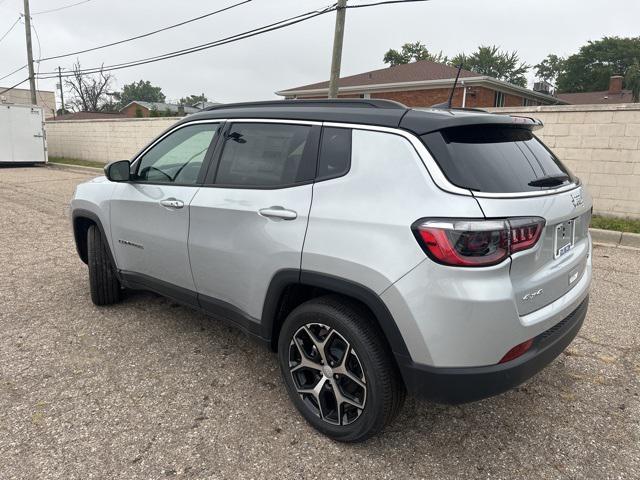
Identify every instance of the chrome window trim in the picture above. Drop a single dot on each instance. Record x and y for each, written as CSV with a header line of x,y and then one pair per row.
x,y
436,173
429,162
272,120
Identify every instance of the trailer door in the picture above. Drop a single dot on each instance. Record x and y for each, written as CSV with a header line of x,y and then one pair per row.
x,y
27,132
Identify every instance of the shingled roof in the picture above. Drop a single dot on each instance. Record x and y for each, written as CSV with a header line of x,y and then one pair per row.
x,y
602,97
409,72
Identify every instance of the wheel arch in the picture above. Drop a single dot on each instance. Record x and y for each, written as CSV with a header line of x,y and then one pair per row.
x,y
83,219
305,285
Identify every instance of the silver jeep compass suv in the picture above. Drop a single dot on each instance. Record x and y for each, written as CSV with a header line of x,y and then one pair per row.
x,y
378,249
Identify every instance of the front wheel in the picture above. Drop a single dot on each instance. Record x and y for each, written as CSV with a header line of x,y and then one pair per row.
x,y
103,282
338,370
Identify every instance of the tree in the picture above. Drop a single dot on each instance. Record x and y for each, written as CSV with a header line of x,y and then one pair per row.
x,y
590,69
412,52
192,99
141,91
89,93
493,62
549,68
632,79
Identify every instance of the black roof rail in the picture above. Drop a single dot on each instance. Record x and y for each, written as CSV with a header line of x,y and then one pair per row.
x,y
328,102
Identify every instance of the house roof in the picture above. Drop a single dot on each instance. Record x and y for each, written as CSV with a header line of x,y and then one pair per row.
x,y
415,75
409,72
86,116
203,105
602,97
161,107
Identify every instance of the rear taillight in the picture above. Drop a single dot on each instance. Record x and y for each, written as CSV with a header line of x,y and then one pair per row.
x,y
476,243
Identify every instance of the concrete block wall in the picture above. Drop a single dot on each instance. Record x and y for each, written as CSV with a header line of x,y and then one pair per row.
x,y
600,144
103,140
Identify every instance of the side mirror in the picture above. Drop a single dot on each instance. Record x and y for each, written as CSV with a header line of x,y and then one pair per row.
x,y
118,171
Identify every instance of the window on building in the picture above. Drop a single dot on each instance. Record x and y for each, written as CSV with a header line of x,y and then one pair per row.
x,y
498,100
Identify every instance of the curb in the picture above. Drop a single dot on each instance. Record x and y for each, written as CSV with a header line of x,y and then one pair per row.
x,y
614,238
64,166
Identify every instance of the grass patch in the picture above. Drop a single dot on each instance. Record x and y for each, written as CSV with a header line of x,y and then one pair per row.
x,y
618,224
74,161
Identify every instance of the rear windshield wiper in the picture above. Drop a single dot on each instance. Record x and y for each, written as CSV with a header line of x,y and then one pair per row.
x,y
549,180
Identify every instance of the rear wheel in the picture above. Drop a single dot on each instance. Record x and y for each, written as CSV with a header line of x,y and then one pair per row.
x,y
103,282
338,370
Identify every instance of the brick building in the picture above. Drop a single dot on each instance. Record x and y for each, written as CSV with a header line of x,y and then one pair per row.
x,y
426,83
139,108
44,98
615,94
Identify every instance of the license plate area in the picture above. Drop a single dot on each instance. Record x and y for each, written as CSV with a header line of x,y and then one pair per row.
x,y
564,237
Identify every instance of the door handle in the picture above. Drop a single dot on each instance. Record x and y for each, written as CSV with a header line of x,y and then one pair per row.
x,y
278,212
172,203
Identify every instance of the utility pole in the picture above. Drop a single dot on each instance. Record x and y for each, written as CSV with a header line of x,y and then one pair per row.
x,y
336,58
61,90
27,29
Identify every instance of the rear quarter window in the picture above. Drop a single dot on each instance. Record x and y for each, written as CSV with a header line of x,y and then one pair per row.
x,y
492,158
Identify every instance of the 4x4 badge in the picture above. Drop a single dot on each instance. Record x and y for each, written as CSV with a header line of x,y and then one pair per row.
x,y
532,295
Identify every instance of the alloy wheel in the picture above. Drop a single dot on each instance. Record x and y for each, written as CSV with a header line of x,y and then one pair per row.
x,y
327,374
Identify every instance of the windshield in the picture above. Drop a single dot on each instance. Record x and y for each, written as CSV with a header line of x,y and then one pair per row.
x,y
496,158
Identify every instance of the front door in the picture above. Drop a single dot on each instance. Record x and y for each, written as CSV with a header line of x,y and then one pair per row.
x,y
250,221
150,214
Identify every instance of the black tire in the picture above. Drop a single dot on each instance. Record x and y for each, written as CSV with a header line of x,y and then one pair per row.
x,y
103,282
384,391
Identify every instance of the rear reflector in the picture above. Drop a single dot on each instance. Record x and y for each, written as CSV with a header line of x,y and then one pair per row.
x,y
476,243
517,351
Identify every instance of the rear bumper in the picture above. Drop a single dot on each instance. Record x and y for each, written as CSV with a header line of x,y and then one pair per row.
x,y
466,384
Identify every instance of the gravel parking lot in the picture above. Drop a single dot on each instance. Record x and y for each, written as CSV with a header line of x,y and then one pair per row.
x,y
150,389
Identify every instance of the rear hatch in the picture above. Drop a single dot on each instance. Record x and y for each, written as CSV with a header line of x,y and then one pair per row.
x,y
512,174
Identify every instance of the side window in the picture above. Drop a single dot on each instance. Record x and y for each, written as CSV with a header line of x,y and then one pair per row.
x,y
335,153
178,157
266,155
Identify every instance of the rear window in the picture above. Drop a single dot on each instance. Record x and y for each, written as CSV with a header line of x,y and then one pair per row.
x,y
492,158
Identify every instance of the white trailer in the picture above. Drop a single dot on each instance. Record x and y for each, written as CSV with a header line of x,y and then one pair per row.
x,y
22,134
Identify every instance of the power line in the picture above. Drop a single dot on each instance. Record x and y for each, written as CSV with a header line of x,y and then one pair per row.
x,y
387,2
148,33
61,8
11,28
240,36
44,102
231,39
15,71
14,86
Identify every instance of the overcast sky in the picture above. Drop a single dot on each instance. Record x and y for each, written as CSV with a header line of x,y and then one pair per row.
x,y
253,69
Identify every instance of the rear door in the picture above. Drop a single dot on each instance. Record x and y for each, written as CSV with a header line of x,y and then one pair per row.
x,y
150,215
249,221
512,174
